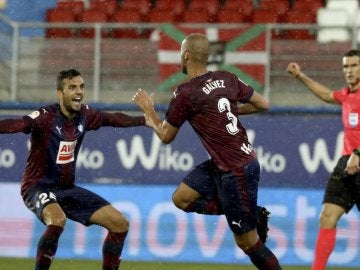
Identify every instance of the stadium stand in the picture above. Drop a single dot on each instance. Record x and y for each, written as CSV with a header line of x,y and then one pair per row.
x,y
280,6
194,16
58,15
333,21
211,7
93,16
175,7
161,16
350,6
107,6
297,17
77,7
230,16
245,7
126,16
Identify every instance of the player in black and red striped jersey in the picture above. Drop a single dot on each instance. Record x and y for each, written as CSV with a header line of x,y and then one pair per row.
x,y
227,183
343,187
48,184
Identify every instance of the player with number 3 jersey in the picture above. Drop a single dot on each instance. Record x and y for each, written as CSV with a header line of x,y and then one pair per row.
x,y
227,183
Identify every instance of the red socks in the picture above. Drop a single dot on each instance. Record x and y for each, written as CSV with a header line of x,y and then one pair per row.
x,y
47,246
324,246
112,248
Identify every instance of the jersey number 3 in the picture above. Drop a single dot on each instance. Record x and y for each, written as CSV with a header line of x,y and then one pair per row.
x,y
224,105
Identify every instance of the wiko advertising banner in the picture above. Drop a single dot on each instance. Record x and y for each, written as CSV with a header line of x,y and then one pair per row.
x,y
293,150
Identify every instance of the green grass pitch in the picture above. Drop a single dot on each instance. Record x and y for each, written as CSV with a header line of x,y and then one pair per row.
x,y
28,264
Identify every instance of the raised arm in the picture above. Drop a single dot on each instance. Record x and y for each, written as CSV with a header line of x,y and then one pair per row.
x,y
257,103
165,131
319,90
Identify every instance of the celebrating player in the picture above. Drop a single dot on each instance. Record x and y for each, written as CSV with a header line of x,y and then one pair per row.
x,y
228,183
343,187
48,187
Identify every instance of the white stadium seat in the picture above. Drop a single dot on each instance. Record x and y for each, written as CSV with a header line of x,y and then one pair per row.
x,y
335,23
350,6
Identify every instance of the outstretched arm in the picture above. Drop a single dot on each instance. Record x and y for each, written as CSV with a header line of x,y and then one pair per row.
x,y
319,90
165,131
257,103
13,125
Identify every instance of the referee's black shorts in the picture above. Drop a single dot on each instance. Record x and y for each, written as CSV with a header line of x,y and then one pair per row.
x,y
343,189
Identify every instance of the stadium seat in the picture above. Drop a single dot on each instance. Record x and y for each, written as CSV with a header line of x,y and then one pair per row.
x,y
211,6
126,16
299,17
161,16
334,22
76,6
177,7
350,6
245,7
195,16
265,16
230,16
357,24
93,16
108,6
59,15
307,5
281,6
141,6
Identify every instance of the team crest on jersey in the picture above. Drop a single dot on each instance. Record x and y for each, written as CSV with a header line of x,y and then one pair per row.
x,y
34,114
81,128
66,152
353,119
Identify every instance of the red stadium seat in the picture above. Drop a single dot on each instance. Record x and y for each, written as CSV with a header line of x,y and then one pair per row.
x,y
141,6
176,7
195,16
296,17
59,15
108,6
211,6
230,16
307,5
126,16
93,16
245,7
161,16
265,16
281,6
76,6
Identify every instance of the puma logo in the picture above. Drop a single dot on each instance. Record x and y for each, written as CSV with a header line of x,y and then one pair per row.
x,y
236,223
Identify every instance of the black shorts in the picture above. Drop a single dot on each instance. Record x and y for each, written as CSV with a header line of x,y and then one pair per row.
x,y
342,189
77,203
236,192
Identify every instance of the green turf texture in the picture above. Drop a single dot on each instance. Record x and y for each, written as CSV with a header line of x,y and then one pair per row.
x,y
58,264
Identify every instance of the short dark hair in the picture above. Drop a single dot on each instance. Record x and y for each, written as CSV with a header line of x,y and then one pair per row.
x,y
66,74
353,53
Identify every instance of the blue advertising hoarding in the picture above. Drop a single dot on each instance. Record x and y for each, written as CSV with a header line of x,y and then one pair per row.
x,y
161,232
296,150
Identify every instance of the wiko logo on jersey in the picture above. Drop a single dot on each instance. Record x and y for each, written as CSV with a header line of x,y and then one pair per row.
x,y
247,148
66,152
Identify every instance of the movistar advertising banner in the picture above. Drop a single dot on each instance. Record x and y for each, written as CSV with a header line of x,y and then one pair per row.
x,y
297,150
161,232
